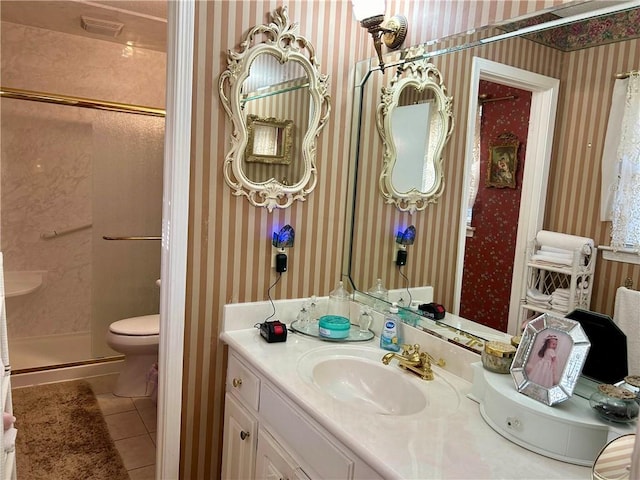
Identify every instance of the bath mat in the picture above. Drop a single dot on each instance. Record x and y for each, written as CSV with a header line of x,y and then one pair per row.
x,y
62,434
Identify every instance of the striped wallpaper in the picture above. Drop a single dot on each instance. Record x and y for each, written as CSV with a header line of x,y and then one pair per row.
x,y
229,252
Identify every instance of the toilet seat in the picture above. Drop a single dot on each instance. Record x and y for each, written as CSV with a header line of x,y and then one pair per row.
x,y
144,325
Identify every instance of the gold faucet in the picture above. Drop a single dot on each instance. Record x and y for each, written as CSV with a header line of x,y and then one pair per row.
x,y
414,360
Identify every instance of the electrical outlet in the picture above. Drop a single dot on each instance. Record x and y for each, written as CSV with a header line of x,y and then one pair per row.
x,y
401,257
278,260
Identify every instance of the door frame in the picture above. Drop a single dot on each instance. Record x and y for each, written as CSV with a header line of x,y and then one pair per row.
x,y
175,223
544,100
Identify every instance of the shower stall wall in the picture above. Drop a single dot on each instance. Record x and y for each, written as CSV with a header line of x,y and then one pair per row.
x,y
71,176
68,177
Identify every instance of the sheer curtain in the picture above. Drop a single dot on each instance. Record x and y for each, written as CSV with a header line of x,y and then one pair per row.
x,y
625,215
474,181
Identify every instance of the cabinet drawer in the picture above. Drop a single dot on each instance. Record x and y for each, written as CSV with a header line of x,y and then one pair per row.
x,y
243,382
322,456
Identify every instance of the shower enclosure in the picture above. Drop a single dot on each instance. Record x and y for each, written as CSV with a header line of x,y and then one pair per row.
x,y
71,176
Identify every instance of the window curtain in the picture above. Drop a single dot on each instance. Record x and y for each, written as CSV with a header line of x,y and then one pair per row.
x,y
610,151
474,181
625,213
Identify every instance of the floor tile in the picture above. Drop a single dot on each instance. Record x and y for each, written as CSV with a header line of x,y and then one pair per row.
x,y
110,404
125,425
149,417
137,452
144,473
143,403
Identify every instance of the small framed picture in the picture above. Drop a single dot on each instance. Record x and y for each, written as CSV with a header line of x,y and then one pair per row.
x,y
502,164
550,358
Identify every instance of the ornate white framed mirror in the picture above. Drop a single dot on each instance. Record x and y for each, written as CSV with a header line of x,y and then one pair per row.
x,y
414,120
274,75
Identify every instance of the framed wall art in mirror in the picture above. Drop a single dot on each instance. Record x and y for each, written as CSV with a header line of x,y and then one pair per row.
x,y
274,75
414,120
270,140
503,162
550,358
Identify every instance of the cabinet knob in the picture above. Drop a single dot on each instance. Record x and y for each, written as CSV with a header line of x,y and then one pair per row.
x,y
236,382
244,435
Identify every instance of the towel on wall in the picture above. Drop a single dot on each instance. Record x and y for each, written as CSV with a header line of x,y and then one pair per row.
x,y
627,316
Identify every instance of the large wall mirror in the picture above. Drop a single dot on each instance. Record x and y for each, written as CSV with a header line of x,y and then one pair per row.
x,y
494,58
414,120
277,101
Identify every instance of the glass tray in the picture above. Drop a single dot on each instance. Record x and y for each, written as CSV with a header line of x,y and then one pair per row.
x,y
355,335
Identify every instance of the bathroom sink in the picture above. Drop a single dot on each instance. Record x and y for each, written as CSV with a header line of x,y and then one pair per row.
x,y
357,377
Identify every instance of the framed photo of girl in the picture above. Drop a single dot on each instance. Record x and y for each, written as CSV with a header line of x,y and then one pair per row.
x,y
503,162
550,358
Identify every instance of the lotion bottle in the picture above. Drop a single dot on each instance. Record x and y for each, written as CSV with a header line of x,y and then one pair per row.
x,y
390,335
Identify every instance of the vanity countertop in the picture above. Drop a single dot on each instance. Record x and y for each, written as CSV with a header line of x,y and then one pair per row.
x,y
457,445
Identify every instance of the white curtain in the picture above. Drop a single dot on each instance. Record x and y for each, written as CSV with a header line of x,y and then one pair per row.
x,y
474,181
625,215
609,153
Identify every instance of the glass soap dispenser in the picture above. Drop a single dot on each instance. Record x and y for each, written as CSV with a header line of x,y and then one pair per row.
x,y
339,301
380,293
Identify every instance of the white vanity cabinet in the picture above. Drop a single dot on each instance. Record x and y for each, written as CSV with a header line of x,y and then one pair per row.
x,y
272,462
268,436
240,439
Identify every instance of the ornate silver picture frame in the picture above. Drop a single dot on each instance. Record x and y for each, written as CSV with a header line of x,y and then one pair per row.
x,y
550,358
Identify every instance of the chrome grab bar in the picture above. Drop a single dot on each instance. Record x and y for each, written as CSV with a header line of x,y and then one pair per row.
x,y
130,238
59,233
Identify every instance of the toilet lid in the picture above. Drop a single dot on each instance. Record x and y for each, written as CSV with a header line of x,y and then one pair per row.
x,y
144,325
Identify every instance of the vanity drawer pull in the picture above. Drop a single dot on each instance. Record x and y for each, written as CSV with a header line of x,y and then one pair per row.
x,y
236,382
244,435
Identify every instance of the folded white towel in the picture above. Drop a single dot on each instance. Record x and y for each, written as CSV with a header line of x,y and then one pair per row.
x,y
537,295
627,316
550,259
544,306
9,440
555,253
549,249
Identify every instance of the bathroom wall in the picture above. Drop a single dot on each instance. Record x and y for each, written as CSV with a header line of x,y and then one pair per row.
x,y
54,160
573,198
229,248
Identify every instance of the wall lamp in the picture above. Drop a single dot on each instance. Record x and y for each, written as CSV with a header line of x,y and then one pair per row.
x,y
283,239
370,14
403,239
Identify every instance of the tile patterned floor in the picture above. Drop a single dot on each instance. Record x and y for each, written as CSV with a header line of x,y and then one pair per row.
x,y
132,424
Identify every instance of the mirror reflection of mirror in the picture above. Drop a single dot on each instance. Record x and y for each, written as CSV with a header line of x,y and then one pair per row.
x,y
414,121
277,100
270,140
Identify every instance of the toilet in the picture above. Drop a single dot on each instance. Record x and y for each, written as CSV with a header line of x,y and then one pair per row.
x,y
137,339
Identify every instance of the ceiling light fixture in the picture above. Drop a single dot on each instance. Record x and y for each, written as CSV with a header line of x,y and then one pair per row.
x,y
370,14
